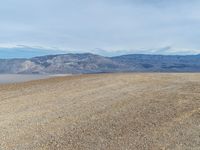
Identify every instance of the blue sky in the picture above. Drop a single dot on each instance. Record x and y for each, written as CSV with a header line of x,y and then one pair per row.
x,y
104,26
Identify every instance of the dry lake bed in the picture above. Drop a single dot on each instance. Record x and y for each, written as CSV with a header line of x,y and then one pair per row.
x,y
15,78
151,111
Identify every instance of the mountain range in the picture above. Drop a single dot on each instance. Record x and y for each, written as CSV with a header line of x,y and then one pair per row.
x,y
92,63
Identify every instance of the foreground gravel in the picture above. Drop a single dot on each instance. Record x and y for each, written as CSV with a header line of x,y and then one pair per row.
x,y
99,112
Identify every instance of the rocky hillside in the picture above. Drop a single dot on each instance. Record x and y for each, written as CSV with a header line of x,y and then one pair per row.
x,y
90,63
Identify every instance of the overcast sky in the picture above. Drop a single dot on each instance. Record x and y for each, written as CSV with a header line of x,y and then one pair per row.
x,y
137,26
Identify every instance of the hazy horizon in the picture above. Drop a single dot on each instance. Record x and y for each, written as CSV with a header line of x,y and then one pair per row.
x,y
20,53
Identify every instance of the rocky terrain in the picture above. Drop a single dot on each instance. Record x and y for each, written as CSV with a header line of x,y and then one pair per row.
x,y
149,111
90,63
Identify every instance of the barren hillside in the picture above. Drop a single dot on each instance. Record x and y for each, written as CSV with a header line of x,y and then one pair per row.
x,y
87,63
105,111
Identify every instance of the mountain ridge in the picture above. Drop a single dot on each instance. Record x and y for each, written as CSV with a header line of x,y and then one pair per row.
x,y
84,63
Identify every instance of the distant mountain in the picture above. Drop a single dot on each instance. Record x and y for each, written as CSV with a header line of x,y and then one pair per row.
x,y
90,63
160,63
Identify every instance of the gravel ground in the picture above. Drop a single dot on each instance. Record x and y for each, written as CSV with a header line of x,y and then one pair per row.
x,y
149,111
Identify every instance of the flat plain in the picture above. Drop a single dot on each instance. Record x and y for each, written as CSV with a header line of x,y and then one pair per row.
x,y
126,111
16,78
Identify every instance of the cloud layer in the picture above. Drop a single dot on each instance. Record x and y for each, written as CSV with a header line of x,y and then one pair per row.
x,y
86,25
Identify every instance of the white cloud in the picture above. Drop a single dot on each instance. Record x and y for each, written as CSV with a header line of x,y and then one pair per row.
x,y
105,24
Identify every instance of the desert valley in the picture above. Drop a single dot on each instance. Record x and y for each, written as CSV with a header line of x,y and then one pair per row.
x,y
102,111
100,75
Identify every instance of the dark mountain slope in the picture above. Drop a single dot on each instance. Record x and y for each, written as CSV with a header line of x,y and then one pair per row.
x,y
165,63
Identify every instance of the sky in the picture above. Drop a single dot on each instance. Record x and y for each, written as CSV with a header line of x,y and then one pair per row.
x,y
107,27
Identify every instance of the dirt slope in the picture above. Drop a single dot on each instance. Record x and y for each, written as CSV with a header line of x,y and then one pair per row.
x,y
105,111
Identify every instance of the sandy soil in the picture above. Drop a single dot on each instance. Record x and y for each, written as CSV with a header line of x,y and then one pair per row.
x,y
99,112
